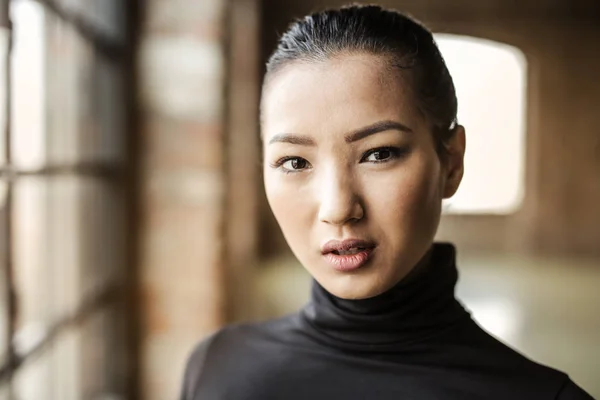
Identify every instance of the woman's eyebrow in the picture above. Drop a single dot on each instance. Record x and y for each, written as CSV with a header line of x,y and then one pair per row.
x,y
377,127
293,139
354,136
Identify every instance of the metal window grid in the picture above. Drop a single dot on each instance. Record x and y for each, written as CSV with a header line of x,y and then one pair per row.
x,y
115,51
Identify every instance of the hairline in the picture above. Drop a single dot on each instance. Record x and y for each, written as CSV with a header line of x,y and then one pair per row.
x,y
390,70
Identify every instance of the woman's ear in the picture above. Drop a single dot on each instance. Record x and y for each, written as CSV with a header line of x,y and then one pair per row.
x,y
455,154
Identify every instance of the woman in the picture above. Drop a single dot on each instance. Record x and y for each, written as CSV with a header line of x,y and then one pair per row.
x,y
361,144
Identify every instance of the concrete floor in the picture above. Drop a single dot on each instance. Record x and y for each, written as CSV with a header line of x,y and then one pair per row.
x,y
545,308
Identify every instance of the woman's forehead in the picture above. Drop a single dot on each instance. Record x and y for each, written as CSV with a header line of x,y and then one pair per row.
x,y
338,94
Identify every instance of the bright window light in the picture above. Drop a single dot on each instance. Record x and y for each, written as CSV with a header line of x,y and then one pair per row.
x,y
490,80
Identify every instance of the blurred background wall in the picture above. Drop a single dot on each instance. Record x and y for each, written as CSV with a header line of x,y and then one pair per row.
x,y
133,217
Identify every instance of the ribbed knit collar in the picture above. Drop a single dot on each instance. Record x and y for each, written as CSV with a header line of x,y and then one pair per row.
x,y
419,306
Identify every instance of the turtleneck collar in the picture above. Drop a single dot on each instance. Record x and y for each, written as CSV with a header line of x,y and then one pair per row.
x,y
419,306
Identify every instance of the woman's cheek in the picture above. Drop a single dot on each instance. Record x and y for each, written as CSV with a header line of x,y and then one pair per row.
x,y
389,191
287,202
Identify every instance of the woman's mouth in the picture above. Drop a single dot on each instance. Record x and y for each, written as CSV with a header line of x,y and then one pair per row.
x,y
354,250
347,255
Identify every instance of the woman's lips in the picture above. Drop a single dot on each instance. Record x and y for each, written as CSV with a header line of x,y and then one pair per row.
x,y
346,263
347,255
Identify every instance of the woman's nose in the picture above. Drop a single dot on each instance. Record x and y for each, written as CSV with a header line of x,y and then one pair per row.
x,y
339,202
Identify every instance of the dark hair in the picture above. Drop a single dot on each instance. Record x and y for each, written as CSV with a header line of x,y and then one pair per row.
x,y
407,45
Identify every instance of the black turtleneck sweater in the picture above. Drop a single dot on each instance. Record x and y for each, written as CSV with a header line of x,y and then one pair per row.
x,y
413,342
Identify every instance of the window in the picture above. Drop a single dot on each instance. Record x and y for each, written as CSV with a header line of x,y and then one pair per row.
x,y
62,199
490,80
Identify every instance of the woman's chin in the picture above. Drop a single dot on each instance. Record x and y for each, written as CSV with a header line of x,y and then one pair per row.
x,y
356,286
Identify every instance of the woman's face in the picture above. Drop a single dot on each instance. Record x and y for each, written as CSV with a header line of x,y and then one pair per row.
x,y
351,172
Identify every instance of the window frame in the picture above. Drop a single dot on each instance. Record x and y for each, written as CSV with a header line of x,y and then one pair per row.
x,y
117,51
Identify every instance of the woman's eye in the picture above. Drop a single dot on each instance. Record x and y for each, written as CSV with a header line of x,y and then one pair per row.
x,y
293,164
380,155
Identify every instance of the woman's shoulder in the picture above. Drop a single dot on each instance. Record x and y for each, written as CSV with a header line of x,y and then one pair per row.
x,y
498,360
570,391
235,349
194,366
236,336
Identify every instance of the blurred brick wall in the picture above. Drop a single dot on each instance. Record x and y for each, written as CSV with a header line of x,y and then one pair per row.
x,y
243,158
200,178
183,85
